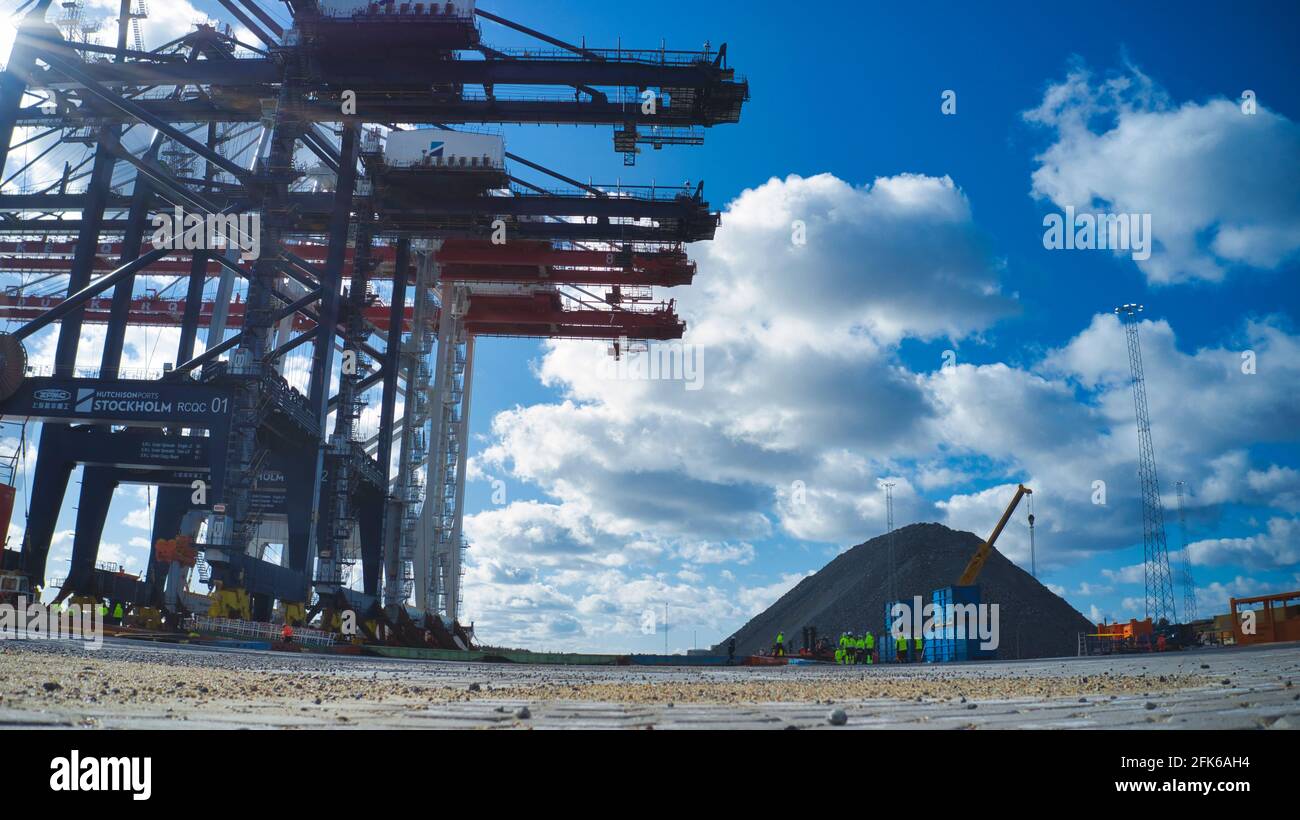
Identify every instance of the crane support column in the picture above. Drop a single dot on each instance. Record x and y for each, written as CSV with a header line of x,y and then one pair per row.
x,y
446,473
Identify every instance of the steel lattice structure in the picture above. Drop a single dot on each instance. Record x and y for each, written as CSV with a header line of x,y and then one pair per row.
x,y
1159,583
374,278
1189,582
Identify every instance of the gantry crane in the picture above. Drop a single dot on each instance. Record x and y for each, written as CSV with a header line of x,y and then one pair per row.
x,y
232,124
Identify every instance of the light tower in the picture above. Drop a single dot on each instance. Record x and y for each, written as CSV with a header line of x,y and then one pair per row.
x,y
1159,584
1189,583
888,487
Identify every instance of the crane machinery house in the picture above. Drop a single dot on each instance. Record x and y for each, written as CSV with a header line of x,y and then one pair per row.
x,y
450,149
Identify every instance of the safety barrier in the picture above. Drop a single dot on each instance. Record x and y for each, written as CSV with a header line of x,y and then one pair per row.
x,y
254,629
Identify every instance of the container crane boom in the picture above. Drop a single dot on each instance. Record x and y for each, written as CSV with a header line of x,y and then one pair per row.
x,y
982,554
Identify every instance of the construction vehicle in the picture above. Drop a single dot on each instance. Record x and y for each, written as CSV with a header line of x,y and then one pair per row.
x,y
972,571
1137,636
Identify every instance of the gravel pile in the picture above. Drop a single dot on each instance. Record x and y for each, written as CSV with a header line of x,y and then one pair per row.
x,y
850,592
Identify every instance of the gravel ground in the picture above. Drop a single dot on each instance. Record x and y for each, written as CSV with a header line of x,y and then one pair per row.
x,y
127,684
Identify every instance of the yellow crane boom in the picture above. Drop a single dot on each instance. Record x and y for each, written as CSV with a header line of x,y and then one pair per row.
x,y
982,554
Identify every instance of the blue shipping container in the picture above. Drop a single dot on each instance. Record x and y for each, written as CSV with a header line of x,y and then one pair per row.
x,y
949,644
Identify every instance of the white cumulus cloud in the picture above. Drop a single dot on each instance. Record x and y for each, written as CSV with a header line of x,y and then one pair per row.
x,y
1220,184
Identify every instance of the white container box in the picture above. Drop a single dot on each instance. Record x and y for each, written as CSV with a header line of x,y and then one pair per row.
x,y
432,146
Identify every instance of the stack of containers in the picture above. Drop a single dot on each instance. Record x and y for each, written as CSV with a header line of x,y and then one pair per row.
x,y
945,646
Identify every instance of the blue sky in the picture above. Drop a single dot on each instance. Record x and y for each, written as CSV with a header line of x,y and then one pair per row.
x,y
823,363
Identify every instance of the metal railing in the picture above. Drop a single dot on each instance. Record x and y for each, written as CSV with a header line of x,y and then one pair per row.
x,y
639,193
258,630
124,373
658,56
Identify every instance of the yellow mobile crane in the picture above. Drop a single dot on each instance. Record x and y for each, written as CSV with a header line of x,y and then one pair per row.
x,y
982,554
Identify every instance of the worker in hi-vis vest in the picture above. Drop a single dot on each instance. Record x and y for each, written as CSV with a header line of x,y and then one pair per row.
x,y
780,643
843,648
869,641
920,648
901,645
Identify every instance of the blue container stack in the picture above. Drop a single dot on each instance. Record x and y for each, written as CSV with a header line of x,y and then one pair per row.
x,y
945,646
